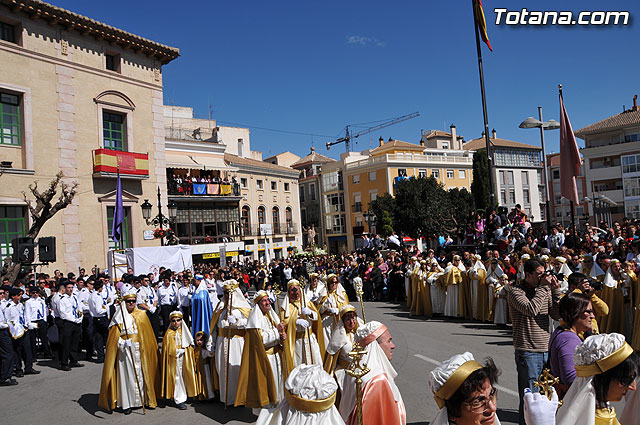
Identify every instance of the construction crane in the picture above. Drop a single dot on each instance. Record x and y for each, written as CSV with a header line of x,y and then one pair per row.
x,y
349,136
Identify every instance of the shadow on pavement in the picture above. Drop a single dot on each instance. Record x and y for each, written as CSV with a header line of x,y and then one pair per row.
x,y
499,342
53,364
89,402
215,410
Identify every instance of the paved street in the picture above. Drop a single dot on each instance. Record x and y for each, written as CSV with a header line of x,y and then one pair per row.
x,y
71,397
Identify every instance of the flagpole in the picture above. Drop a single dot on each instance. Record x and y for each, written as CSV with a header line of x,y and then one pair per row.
x,y
484,108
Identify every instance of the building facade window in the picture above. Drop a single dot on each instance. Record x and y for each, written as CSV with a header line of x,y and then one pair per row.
x,y
462,174
275,216
112,61
555,174
7,32
312,192
503,197
512,196
287,187
12,225
449,174
422,173
301,190
113,130
198,223
245,219
526,198
259,184
274,185
243,182
525,178
10,119
261,218
288,215
334,203
356,178
126,229
372,176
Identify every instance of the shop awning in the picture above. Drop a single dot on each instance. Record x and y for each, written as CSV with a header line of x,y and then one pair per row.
x,y
198,162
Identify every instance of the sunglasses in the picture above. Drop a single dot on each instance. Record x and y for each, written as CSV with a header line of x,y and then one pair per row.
x,y
176,320
130,301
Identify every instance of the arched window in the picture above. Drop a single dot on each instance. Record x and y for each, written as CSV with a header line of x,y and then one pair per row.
x,y
261,218
288,216
275,214
245,219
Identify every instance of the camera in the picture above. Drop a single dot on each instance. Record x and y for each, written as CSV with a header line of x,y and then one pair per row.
x,y
595,284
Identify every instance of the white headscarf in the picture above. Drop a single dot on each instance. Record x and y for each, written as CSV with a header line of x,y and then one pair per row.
x,y
256,316
238,301
285,302
611,281
339,336
595,269
579,404
523,259
187,338
308,382
376,360
440,375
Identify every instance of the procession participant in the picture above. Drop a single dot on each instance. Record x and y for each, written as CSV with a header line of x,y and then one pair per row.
x,y
501,310
227,339
316,290
589,268
305,336
99,314
261,374
204,366
71,315
14,315
451,280
184,299
423,292
477,276
177,363
147,301
494,271
201,309
167,298
560,266
381,398
523,259
330,305
6,345
83,295
412,289
36,312
617,292
56,340
436,290
606,368
310,395
131,360
464,391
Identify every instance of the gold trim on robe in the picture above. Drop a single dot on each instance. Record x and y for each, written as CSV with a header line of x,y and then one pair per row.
x,y
168,361
256,368
148,358
290,341
214,324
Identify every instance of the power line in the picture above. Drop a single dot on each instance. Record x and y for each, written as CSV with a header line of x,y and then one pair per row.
x,y
272,129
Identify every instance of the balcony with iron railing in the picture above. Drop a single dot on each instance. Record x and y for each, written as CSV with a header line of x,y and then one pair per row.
x,y
180,187
289,228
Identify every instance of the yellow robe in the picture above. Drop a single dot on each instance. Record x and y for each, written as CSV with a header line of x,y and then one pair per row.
x,y
614,321
423,294
201,371
482,297
635,300
290,325
412,296
148,358
606,417
168,360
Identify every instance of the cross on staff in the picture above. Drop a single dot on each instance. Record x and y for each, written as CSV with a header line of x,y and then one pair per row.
x,y
545,382
360,294
358,370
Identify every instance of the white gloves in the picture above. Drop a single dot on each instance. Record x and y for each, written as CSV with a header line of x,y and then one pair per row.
x,y
180,352
124,344
303,323
538,409
333,310
232,320
306,311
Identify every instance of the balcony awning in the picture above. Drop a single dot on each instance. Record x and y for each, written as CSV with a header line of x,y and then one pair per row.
x,y
199,162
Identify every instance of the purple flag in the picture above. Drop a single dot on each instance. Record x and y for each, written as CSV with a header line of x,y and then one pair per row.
x,y
118,213
569,157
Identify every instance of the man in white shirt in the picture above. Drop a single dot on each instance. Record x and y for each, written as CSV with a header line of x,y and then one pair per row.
x,y
83,296
147,300
71,315
99,312
36,313
184,300
167,296
6,347
14,315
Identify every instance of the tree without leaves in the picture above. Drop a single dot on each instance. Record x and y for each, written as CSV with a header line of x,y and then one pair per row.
x,y
42,210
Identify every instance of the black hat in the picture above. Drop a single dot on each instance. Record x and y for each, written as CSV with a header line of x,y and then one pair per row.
x,y
34,289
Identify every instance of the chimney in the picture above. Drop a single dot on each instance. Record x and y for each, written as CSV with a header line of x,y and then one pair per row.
x,y
313,149
454,137
493,133
635,102
390,139
381,141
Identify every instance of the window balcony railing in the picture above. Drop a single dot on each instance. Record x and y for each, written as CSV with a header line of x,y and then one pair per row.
x,y
189,188
132,165
357,207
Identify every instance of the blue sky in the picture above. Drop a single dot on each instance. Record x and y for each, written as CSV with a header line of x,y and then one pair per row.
x,y
314,67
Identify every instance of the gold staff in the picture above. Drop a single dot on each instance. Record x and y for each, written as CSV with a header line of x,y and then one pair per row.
x,y
545,382
135,372
277,292
231,289
306,331
360,294
357,371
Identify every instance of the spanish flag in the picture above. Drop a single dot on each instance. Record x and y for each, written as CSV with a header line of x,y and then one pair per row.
x,y
481,23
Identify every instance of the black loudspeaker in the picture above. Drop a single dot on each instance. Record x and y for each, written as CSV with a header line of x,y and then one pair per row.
x,y
24,250
47,249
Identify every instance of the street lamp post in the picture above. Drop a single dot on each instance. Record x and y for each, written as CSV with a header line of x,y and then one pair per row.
x,y
531,122
159,220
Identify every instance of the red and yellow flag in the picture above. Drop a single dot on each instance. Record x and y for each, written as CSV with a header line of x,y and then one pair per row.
x,y
481,22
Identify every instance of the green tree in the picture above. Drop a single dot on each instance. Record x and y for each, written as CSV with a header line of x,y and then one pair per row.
x,y
422,207
461,203
385,203
480,187
386,228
